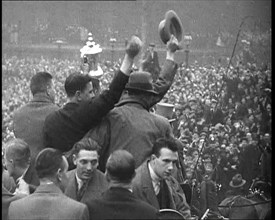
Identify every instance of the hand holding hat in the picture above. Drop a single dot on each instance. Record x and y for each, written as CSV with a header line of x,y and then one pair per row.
x,y
133,46
173,44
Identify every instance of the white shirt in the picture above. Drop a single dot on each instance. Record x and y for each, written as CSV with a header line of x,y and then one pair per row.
x,y
79,182
21,186
155,179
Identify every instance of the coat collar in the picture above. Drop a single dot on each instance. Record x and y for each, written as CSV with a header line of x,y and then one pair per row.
x,y
41,97
130,99
48,188
147,185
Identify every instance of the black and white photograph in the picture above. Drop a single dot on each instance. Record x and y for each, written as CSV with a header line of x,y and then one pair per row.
x,y
138,109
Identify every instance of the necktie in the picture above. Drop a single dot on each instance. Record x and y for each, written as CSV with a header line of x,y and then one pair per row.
x,y
82,190
157,188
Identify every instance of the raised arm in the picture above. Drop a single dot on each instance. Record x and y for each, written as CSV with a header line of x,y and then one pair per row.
x,y
168,72
91,112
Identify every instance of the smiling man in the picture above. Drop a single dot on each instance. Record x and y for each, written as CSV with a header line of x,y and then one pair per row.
x,y
86,182
154,183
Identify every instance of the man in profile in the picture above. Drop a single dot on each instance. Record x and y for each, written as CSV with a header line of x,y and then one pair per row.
x,y
118,202
48,201
17,160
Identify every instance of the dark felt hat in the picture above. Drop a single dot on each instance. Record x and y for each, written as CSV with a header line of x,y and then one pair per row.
x,y
170,25
141,81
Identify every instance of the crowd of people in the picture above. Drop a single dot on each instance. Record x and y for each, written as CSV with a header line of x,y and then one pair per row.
x,y
222,117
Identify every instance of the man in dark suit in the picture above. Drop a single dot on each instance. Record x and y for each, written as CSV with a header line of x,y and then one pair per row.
x,y
151,62
154,182
48,201
86,181
63,128
29,119
118,202
17,158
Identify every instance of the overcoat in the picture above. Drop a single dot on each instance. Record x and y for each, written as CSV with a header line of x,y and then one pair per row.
x,y
28,122
143,189
47,202
120,203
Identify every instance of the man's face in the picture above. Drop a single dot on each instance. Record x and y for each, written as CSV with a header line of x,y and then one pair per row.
x,y
86,162
88,92
164,164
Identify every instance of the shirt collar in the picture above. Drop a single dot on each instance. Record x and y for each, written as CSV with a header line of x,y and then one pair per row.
x,y
21,177
79,181
153,175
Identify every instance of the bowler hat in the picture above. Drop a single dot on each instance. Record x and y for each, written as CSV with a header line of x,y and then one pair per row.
x,y
237,181
141,81
170,25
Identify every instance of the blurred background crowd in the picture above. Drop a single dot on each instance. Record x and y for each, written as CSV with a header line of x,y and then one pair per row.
x,y
229,110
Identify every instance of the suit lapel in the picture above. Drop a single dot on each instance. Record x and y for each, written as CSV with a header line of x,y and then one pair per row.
x,y
147,187
71,189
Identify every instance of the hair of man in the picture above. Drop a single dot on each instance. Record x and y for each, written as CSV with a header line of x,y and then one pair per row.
x,y
160,143
40,81
18,151
121,166
86,144
48,162
76,82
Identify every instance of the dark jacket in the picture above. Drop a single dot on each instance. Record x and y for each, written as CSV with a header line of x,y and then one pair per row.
x,y
63,128
143,189
120,203
130,126
97,185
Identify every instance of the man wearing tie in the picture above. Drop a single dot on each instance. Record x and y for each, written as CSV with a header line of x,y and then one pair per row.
x,y
151,62
86,181
154,182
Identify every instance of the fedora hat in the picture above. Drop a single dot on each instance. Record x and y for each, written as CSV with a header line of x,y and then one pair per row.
x,y
141,81
237,181
170,25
